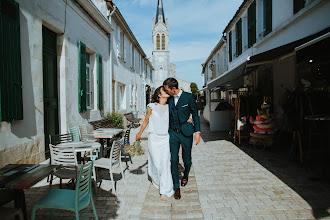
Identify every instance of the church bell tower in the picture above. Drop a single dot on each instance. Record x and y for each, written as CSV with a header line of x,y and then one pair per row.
x,y
161,53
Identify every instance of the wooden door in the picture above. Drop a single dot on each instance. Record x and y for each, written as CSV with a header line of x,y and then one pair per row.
x,y
49,85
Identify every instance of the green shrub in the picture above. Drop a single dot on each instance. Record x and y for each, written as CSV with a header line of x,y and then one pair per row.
x,y
116,118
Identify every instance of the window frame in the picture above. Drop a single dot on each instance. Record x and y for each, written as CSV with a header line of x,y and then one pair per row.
x,y
89,82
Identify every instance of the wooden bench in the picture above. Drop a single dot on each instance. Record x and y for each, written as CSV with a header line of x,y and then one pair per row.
x,y
134,121
103,123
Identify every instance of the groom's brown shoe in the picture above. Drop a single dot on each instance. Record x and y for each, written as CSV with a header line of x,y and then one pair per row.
x,y
184,181
177,194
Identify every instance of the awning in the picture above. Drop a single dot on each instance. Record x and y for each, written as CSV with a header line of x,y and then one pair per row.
x,y
228,76
287,49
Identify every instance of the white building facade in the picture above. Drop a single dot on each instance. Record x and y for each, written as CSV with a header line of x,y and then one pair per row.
x,y
58,68
259,47
132,73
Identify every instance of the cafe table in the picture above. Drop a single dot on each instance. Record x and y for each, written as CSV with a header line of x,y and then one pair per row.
x,y
102,134
82,146
18,177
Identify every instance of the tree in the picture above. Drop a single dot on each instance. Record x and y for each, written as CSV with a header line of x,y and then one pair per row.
x,y
194,89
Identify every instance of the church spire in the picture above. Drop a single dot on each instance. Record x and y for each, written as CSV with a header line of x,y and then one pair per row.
x,y
160,12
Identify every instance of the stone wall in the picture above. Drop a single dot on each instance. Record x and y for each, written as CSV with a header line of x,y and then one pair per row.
x,y
31,152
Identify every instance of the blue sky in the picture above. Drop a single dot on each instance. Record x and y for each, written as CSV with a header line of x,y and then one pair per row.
x,y
195,27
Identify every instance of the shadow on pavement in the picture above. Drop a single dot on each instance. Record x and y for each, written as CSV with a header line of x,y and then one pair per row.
x,y
306,180
105,202
139,171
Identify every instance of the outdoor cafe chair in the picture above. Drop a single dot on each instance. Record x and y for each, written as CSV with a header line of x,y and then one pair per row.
x,y
109,163
60,138
65,157
75,133
124,153
66,199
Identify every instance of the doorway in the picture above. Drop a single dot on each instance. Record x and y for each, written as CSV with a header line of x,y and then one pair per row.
x,y
51,125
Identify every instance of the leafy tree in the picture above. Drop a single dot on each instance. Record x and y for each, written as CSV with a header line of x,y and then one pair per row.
x,y
194,89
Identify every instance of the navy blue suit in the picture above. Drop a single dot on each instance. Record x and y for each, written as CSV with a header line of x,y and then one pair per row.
x,y
181,132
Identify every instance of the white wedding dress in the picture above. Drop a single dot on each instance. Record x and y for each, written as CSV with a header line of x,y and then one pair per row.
x,y
159,164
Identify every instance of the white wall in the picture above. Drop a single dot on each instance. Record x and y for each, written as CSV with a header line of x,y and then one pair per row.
x,y
71,25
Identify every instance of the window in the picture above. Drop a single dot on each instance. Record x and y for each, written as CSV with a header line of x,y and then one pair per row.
x,y
267,16
298,5
132,57
86,79
123,46
145,70
11,102
132,97
238,29
141,65
118,42
230,46
252,24
89,84
158,42
121,97
163,41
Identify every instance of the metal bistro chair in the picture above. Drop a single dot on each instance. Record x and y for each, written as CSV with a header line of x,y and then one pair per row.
x,y
65,157
125,154
73,200
109,163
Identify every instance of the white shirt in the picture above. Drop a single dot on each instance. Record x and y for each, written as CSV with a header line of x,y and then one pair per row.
x,y
177,97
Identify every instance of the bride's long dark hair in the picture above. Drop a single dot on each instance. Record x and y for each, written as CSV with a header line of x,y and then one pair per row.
x,y
155,96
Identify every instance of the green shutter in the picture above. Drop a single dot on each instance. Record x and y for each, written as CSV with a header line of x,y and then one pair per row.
x,y
11,102
267,16
82,77
252,24
230,47
298,5
238,37
99,83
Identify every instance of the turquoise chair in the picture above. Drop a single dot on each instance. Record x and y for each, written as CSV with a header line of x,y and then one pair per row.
x,y
75,133
66,199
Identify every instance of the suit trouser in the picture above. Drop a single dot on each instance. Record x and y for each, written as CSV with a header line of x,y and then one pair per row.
x,y
176,138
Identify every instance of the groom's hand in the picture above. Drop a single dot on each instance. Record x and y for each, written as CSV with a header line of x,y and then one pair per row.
x,y
197,138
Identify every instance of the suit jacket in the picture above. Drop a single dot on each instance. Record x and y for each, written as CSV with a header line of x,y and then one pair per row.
x,y
186,105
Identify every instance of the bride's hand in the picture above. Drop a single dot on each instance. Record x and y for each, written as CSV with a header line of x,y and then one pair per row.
x,y
189,120
138,137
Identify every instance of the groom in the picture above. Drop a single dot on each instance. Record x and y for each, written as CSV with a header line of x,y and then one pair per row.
x,y
181,105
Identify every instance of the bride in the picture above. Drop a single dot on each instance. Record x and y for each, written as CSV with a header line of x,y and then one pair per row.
x,y
159,165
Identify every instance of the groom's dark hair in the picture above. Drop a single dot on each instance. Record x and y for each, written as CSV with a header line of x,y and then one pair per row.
x,y
171,82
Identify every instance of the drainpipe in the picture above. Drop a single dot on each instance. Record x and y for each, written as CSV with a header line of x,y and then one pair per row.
x,y
110,64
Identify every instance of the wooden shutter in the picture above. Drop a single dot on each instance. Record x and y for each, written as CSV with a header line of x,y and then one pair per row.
x,y
230,47
99,83
11,102
298,5
238,37
82,77
252,24
267,16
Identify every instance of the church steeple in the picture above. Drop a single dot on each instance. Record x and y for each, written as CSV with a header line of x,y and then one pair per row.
x,y
160,12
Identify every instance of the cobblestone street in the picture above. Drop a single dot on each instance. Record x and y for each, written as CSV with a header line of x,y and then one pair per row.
x,y
224,183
